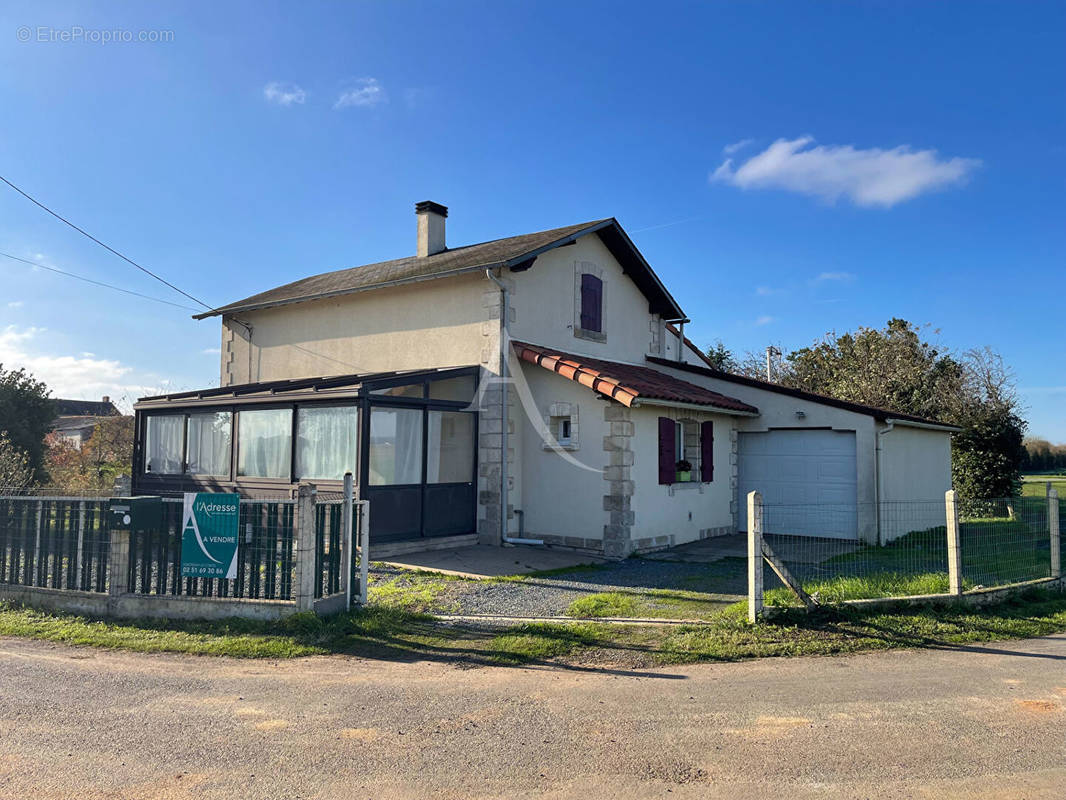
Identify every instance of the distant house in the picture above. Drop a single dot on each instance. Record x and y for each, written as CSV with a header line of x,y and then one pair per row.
x,y
77,419
534,387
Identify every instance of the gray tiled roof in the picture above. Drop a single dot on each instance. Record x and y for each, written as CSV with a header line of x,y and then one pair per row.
x,y
499,252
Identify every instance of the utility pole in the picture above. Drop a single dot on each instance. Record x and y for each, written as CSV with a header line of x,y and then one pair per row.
x,y
770,352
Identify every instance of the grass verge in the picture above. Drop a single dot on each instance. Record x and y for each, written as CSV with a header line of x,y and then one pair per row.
x,y
398,635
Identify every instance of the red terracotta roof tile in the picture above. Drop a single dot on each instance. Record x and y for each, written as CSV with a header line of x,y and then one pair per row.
x,y
626,383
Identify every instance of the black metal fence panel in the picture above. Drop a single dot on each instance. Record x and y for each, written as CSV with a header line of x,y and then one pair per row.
x,y
55,542
264,555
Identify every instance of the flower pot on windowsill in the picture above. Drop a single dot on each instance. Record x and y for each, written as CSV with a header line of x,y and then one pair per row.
x,y
684,476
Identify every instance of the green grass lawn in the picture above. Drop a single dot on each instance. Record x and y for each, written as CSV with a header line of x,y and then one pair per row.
x,y
1036,485
398,635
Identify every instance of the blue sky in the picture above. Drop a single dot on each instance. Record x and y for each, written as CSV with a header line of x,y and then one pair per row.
x,y
886,160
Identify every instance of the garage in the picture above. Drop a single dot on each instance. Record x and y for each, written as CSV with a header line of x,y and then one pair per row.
x,y
807,479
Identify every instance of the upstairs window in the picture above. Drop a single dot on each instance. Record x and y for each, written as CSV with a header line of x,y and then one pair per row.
x,y
591,303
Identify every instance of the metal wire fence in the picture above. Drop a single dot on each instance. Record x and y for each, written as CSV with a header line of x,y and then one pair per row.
x,y
1005,541
55,542
265,555
836,552
828,549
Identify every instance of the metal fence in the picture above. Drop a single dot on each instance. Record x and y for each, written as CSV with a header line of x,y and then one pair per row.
x,y
294,550
54,541
265,555
805,554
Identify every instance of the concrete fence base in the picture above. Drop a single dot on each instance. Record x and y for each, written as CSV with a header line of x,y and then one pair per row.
x,y
974,598
141,606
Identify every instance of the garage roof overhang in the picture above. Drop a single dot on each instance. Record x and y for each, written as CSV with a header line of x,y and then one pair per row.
x,y
880,414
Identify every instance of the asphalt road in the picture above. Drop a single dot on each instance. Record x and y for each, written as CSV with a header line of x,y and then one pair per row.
x,y
988,722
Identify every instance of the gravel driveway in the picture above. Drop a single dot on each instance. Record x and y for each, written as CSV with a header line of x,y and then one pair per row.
x,y
720,583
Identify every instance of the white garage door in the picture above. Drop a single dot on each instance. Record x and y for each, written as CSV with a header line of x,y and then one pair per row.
x,y
807,481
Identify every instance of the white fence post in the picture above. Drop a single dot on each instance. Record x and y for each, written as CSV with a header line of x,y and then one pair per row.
x,y
304,583
755,568
81,543
364,552
347,545
37,548
1053,529
951,501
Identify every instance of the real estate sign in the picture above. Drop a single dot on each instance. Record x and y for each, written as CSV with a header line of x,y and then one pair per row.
x,y
209,531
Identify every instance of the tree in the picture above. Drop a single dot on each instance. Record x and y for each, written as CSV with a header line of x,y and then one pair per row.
x,y
26,415
895,369
15,472
107,454
721,357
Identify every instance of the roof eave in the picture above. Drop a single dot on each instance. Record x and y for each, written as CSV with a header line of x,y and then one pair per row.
x,y
705,407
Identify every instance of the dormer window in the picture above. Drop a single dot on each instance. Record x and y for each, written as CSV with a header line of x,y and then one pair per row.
x,y
588,306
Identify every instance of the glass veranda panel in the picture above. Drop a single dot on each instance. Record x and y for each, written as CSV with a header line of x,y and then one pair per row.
x,y
327,442
450,447
164,442
209,444
395,446
264,443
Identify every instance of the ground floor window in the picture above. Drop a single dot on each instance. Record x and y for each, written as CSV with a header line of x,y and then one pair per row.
x,y
264,443
395,446
164,444
210,444
327,442
450,447
686,451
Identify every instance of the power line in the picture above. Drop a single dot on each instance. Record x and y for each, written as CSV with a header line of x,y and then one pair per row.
x,y
106,247
97,283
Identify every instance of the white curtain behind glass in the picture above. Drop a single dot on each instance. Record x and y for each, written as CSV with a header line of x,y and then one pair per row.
x,y
209,444
450,447
327,442
264,443
395,446
164,442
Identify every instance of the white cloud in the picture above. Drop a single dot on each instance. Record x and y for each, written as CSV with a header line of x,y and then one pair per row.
x,y
284,94
765,291
869,178
764,320
82,377
212,351
363,93
834,276
729,149
15,304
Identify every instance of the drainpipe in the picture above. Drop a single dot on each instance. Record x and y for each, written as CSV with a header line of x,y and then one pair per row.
x,y
879,488
505,383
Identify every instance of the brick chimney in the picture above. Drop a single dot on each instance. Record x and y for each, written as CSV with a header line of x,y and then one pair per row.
x,y
431,218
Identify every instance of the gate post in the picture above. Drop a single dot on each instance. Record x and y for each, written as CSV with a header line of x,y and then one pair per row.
x,y
755,568
1053,530
951,502
119,563
304,583
347,545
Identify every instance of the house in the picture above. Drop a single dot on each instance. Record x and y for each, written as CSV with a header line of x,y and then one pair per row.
x,y
537,387
77,419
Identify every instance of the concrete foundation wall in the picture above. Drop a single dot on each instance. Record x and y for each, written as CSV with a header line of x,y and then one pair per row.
x,y
134,606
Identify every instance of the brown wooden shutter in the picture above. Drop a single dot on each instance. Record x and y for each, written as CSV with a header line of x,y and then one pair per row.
x,y
591,303
707,451
667,456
